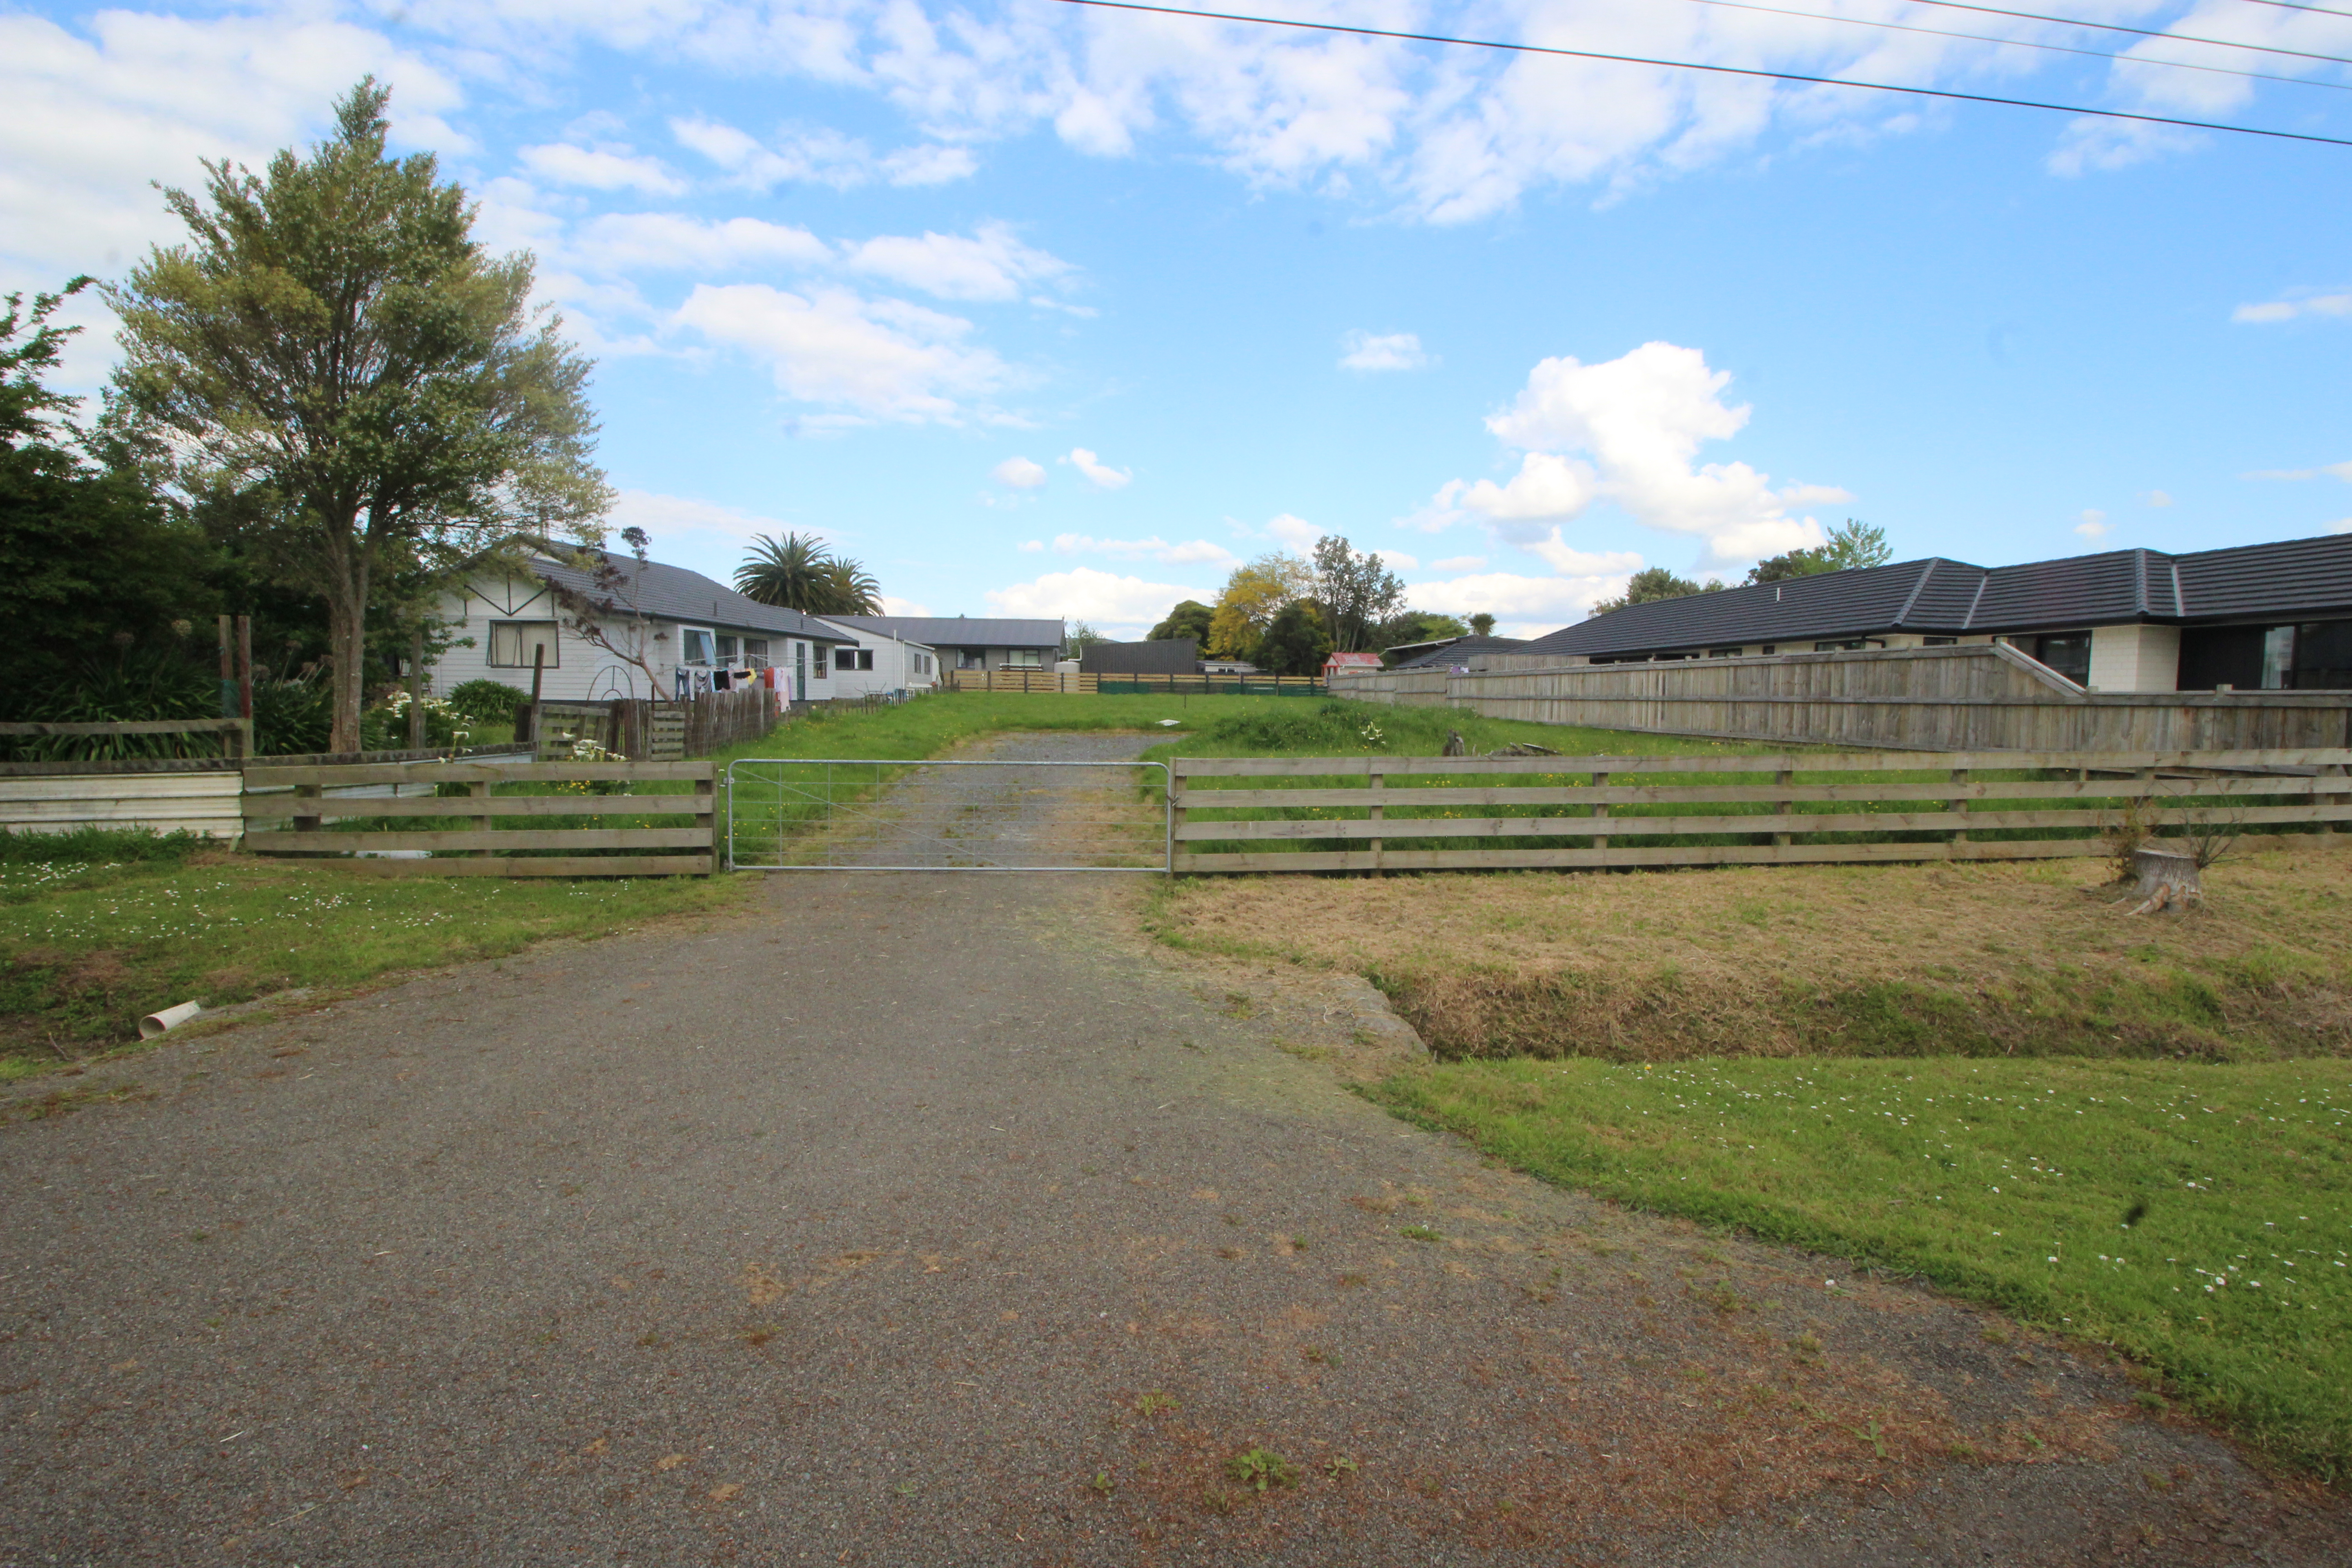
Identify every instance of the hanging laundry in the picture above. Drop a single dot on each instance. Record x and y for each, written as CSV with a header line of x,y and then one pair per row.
x,y
719,680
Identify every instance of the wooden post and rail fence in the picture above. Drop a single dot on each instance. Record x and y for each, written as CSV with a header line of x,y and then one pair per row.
x,y
1116,683
1429,814
287,811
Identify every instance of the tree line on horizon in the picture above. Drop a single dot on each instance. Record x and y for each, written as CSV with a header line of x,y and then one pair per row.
x,y
1287,614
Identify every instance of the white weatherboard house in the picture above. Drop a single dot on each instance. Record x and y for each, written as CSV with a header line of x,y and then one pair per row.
x,y
877,661
669,627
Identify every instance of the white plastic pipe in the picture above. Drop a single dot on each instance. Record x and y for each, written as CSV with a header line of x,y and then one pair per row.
x,y
156,1025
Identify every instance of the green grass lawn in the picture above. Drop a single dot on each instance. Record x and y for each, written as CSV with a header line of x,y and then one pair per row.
x,y
102,928
2194,1216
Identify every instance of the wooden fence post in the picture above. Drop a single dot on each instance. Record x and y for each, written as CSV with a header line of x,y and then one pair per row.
x,y
1786,776
416,692
1959,807
1601,810
705,814
1379,814
480,790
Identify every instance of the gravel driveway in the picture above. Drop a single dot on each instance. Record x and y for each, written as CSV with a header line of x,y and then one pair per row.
x,y
929,1218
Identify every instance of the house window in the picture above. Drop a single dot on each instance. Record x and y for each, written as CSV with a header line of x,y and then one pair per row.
x,y
1770,648
755,652
694,645
922,664
1022,658
2323,655
969,658
816,657
728,645
1848,646
1939,642
1723,653
2067,653
514,645
853,659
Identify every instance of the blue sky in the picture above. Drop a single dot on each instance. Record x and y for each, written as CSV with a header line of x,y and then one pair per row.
x,y
1039,310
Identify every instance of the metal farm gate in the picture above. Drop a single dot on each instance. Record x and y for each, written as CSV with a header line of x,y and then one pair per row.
x,y
869,814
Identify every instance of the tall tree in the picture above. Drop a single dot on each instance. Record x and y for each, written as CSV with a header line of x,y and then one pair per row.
x,y
333,343
1253,595
1482,625
799,573
1851,544
1357,592
88,552
1296,643
1189,618
1651,583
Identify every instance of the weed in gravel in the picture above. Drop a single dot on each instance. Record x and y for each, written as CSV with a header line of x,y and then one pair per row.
x,y
1153,1403
1421,1233
1262,1467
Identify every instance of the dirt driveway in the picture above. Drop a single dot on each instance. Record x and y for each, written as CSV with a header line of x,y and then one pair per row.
x,y
939,1219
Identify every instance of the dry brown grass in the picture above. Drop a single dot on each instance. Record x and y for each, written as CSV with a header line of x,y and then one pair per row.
x,y
2031,957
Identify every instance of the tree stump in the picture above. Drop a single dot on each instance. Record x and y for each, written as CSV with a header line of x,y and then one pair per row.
x,y
1456,746
2168,880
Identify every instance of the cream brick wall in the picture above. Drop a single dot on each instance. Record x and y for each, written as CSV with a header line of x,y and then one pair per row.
x,y
2135,658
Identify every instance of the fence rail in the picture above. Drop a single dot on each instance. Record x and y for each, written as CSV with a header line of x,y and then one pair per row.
x,y
277,823
1577,811
1968,697
1116,683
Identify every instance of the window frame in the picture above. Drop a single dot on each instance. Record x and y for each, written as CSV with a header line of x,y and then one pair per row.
x,y
686,643
553,642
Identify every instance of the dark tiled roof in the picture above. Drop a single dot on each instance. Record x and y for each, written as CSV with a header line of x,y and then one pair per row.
x,y
958,631
2297,576
675,593
1454,650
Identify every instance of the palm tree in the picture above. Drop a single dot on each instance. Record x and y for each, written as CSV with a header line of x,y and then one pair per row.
x,y
788,571
849,589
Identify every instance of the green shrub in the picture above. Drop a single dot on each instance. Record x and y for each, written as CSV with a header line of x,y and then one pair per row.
x,y
487,700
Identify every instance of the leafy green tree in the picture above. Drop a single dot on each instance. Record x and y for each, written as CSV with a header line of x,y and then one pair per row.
x,y
1077,637
1296,643
1851,544
797,571
1189,618
1652,583
334,346
90,558
1482,625
1355,590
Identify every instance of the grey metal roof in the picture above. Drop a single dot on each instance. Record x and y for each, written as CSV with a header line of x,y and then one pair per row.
x,y
1449,651
2296,576
958,631
675,593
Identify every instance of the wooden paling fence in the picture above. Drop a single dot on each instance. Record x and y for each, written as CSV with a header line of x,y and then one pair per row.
x,y
651,731
1400,814
1069,682
1120,683
279,824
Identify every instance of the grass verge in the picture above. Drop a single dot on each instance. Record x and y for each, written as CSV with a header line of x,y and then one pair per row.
x,y
2194,1216
119,924
2025,959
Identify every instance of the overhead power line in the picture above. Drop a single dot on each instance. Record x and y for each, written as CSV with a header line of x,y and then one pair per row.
x,y
2135,32
2026,44
2290,5
1753,71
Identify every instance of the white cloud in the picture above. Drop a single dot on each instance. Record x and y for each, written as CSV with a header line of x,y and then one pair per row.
x,y
2341,470
1019,473
1363,350
666,517
1191,553
2341,525
879,359
635,242
1030,546
2156,498
990,265
1528,605
1640,420
893,605
822,156
601,169
1458,563
1104,600
1293,532
1099,475
128,98
2094,524
2339,305
1398,561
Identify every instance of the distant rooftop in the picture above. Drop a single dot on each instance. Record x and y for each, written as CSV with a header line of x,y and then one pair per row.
x,y
958,631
